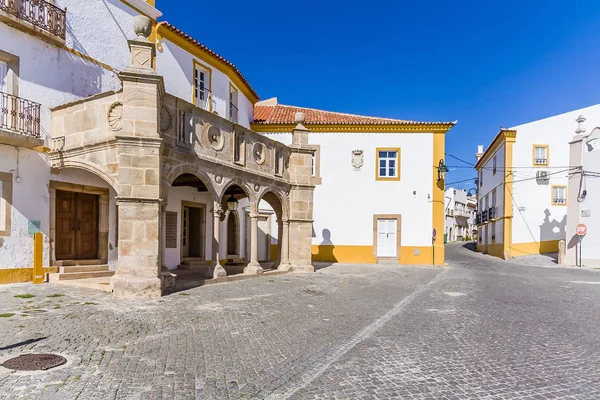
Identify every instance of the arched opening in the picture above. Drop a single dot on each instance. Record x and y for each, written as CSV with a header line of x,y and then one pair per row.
x,y
233,235
271,209
186,224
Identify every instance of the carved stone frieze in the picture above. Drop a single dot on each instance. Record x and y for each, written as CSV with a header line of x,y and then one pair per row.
x,y
215,137
115,116
166,119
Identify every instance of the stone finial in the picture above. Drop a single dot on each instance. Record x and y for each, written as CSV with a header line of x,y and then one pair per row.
x,y
142,26
300,117
580,128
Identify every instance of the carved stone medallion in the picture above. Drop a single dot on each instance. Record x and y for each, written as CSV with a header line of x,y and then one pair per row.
x,y
357,159
166,120
218,179
115,116
256,187
259,153
215,138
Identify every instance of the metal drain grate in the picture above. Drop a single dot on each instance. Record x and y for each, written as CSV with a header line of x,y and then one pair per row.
x,y
34,362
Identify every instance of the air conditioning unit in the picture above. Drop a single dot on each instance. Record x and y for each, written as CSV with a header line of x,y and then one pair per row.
x,y
542,176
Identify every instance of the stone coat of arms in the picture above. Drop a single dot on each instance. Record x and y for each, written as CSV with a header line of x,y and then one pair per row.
x,y
357,159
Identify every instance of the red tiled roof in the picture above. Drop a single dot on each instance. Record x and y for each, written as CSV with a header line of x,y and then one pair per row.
x,y
282,114
209,51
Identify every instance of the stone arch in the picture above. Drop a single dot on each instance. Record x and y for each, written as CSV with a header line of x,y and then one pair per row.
x,y
193,170
273,195
245,186
104,175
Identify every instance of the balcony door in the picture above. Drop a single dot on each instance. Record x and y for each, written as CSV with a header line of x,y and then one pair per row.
x,y
76,226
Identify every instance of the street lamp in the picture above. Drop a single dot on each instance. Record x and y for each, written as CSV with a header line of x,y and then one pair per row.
x,y
232,203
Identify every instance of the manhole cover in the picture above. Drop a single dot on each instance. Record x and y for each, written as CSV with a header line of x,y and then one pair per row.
x,y
34,362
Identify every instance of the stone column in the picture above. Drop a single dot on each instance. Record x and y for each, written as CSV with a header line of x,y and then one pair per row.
x,y
216,270
139,156
301,199
284,243
254,267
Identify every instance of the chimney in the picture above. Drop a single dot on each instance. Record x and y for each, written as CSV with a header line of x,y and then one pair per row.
x,y
479,152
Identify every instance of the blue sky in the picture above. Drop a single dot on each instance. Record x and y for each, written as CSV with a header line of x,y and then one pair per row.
x,y
486,64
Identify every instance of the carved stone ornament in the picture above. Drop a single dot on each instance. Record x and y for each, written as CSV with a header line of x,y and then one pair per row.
x,y
215,138
258,153
256,187
115,116
142,26
166,119
357,159
218,179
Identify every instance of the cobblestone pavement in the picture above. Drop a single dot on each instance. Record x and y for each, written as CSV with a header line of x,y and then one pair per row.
x,y
479,328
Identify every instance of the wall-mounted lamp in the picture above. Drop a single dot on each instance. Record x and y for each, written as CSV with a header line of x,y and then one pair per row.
x,y
442,169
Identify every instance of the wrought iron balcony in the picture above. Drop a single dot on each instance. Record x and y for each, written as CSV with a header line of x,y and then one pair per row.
x,y
462,214
492,213
20,116
39,13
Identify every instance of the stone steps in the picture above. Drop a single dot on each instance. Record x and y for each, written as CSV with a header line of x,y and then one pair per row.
x,y
81,272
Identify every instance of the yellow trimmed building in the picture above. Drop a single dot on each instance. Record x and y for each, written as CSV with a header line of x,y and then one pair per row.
x,y
522,186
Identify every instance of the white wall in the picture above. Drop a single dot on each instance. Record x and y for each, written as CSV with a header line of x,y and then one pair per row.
x,y
542,221
177,67
346,200
488,181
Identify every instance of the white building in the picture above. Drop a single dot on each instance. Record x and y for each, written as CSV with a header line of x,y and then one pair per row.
x,y
523,177
583,197
53,85
379,197
460,211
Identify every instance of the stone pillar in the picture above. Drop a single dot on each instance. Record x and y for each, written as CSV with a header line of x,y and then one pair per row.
x,y
284,264
301,199
216,270
573,193
139,155
254,267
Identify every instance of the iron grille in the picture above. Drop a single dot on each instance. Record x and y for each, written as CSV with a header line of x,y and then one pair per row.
x,y
39,13
19,115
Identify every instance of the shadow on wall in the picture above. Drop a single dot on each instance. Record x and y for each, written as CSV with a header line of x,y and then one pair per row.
x,y
551,229
325,251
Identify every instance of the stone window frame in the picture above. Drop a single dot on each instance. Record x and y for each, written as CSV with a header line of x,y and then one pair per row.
x,y
398,218
316,167
12,61
6,203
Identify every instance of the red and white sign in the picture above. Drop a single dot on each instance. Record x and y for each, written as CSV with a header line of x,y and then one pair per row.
x,y
581,229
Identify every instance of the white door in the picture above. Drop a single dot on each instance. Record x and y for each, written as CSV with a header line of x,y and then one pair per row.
x,y
386,238
185,232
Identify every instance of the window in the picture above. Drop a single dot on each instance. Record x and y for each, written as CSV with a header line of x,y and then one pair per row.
x,y
494,165
480,178
3,76
313,164
559,195
186,129
540,154
202,86
493,210
493,232
388,164
5,203
233,104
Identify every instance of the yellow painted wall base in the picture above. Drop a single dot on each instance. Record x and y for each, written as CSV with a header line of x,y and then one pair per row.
x,y
496,250
526,249
364,254
20,275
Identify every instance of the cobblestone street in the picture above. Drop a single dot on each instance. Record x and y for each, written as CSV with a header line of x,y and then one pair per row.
x,y
478,328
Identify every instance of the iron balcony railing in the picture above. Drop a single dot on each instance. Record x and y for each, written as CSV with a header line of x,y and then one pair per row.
x,y
492,213
478,219
19,115
484,216
39,13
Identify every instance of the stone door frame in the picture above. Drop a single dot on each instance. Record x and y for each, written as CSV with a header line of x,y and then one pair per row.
x,y
201,206
398,218
103,215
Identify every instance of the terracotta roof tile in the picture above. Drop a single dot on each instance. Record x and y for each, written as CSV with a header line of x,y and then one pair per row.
x,y
282,114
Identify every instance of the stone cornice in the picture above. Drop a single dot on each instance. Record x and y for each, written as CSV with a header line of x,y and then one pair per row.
x,y
140,141
124,199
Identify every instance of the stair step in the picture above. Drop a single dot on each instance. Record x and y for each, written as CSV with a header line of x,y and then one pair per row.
x,y
73,263
83,268
79,275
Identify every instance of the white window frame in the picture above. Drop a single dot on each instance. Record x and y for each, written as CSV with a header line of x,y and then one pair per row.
x,y
386,163
557,199
202,86
234,110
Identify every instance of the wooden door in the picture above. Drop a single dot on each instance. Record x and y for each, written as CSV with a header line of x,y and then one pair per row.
x,y
76,226
66,224
87,227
